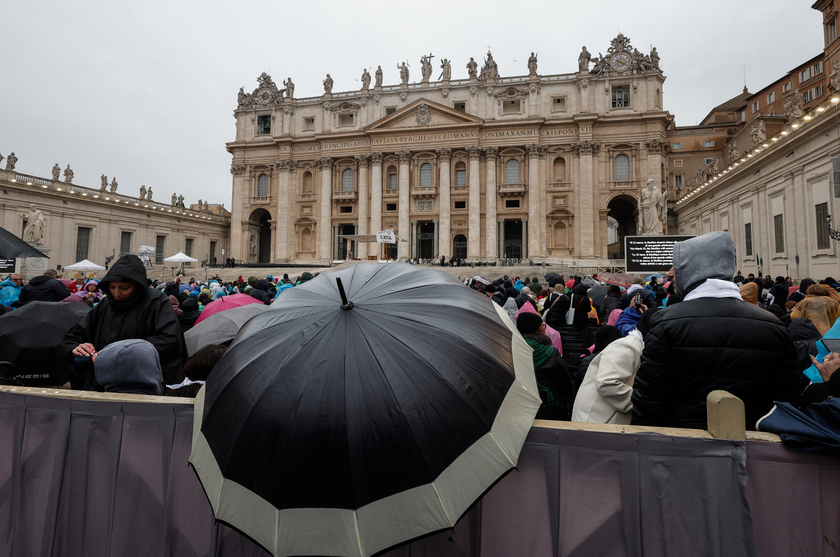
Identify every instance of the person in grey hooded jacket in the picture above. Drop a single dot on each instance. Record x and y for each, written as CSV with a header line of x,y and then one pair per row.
x,y
712,340
129,366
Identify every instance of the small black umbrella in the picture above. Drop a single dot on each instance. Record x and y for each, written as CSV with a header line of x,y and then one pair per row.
x,y
597,294
552,279
12,247
336,427
30,338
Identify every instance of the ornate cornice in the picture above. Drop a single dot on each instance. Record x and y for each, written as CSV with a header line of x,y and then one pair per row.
x,y
474,152
444,154
491,153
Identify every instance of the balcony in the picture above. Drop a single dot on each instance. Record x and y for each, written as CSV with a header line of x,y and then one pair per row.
x,y
306,197
512,190
345,196
424,192
559,186
463,189
389,192
624,184
260,200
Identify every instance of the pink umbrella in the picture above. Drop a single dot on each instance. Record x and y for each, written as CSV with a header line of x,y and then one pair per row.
x,y
225,302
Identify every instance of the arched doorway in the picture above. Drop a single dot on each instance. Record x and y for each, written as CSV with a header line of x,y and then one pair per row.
x,y
346,246
426,240
624,212
459,247
259,244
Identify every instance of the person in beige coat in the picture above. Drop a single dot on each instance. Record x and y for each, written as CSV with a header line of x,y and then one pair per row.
x,y
605,395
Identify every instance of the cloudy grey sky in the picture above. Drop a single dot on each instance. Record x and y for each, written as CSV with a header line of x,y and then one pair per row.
x,y
145,91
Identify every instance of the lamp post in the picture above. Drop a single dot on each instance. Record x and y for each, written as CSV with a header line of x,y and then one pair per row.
x,y
834,234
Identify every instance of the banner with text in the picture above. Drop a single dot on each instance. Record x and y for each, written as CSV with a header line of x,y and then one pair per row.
x,y
386,237
650,254
7,266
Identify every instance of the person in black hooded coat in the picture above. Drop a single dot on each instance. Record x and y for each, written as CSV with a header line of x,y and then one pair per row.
x,y
260,291
189,314
130,310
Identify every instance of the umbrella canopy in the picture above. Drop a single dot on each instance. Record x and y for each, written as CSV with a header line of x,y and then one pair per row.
x,y
792,289
344,428
597,293
224,303
30,338
180,257
220,327
616,279
552,279
817,428
84,265
12,247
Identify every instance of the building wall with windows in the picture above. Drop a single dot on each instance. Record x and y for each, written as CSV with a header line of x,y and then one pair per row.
x,y
529,166
86,223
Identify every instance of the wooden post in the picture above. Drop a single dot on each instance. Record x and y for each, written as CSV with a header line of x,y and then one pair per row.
x,y
725,416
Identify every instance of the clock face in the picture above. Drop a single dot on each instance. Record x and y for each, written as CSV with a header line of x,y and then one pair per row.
x,y
264,95
620,61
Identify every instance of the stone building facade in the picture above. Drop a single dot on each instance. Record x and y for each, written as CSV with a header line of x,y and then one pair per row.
x,y
99,224
526,167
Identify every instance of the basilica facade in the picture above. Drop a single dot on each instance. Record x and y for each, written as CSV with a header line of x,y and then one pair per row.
x,y
539,167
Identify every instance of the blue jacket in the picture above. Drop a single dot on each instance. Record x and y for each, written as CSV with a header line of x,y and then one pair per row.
x,y
627,321
9,292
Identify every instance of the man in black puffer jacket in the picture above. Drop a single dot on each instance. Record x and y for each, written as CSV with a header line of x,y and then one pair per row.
x,y
45,288
260,291
713,340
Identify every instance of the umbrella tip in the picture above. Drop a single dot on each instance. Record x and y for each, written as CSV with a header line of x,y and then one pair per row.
x,y
344,303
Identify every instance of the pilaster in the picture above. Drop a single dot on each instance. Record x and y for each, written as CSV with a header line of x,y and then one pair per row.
x,y
325,222
534,232
405,195
364,186
490,197
444,200
474,204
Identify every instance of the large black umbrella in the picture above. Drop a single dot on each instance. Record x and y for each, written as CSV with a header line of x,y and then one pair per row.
x,y
12,247
30,338
344,428
552,279
597,294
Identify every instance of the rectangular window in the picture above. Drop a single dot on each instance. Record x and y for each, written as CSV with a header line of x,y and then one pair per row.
x,y
460,107
460,177
558,104
817,92
125,242
708,144
678,163
212,253
756,106
806,96
779,229
345,119
621,97
82,243
460,204
390,110
188,245
160,246
835,170
309,124
390,206
823,241
676,146
512,203
817,68
786,87
678,182
346,209
743,115
831,31
392,181
708,161
804,75
264,124
512,107
748,238
771,97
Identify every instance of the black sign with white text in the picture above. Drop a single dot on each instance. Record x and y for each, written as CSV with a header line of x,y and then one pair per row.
x,y
650,254
7,265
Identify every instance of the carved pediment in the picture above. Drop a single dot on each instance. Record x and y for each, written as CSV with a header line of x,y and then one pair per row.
x,y
510,93
424,113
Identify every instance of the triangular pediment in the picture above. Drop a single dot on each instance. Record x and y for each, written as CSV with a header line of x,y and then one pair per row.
x,y
422,114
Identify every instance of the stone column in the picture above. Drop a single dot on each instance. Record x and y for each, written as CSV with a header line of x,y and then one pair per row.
x,y
414,242
282,208
376,199
490,201
435,253
474,204
364,186
240,195
444,157
586,220
405,200
534,205
544,207
325,221
501,225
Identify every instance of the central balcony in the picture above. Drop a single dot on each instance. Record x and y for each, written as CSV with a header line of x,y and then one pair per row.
x,y
512,190
345,195
424,192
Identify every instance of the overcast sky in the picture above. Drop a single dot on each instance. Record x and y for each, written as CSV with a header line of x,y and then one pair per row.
x,y
145,91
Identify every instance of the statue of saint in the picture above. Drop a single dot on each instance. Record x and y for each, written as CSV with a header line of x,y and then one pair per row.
x,y
472,67
365,80
149,194
532,64
378,76
11,161
490,69
142,192
242,98
403,73
734,154
426,68
68,175
206,206
56,171
174,199
446,75
653,209
583,60
103,183
252,246
714,166
328,85
290,88
654,58
113,185
180,201
35,223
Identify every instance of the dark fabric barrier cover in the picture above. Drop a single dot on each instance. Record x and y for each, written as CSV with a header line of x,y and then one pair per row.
x,y
81,478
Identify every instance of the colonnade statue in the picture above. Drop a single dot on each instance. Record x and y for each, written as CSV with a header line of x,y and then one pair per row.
x,y
35,223
653,209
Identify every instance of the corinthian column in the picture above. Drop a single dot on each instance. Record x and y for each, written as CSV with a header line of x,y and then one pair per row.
x,y
364,185
534,232
325,222
376,198
474,237
405,195
490,201
587,201
444,156
284,203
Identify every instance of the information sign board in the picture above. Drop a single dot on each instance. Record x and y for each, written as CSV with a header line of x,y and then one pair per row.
x,y
650,254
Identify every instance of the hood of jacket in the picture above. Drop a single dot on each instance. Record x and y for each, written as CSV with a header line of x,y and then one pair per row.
x,y
704,257
262,284
39,280
128,268
803,328
8,282
129,366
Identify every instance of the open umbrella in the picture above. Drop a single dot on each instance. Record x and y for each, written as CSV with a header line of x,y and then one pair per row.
x,y
221,326
12,247
335,427
180,257
552,279
224,303
597,293
30,338
616,279
84,265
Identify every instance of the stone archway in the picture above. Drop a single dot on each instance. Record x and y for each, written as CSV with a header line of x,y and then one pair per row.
x,y
624,211
259,241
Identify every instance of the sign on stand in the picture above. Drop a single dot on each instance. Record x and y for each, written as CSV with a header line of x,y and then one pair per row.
x,y
386,237
650,254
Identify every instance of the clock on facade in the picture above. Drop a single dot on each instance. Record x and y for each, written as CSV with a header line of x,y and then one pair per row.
x,y
620,61
264,95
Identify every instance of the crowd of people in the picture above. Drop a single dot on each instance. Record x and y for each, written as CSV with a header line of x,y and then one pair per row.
x,y
655,349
